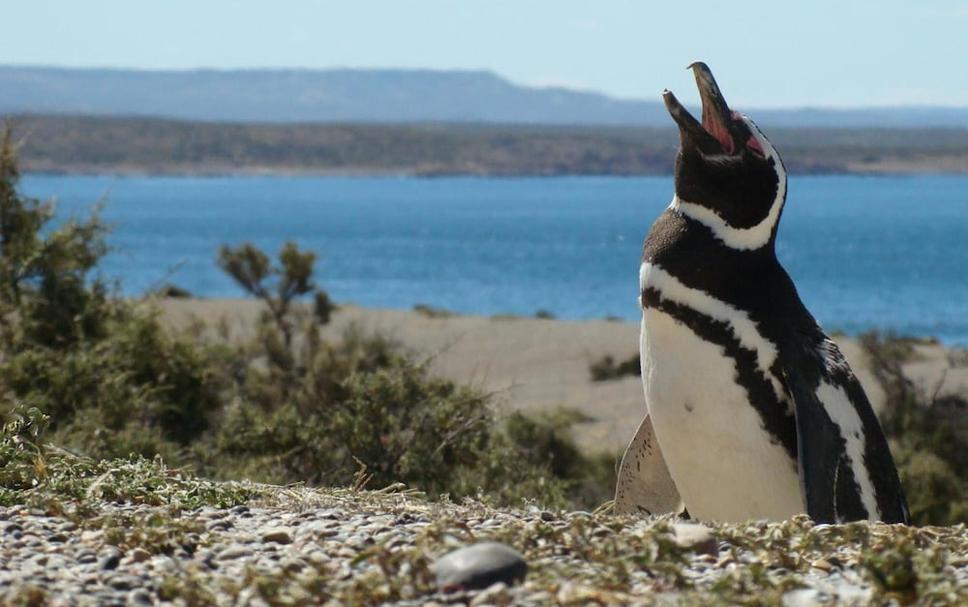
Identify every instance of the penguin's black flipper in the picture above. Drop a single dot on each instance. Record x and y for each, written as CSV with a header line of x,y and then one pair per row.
x,y
845,464
819,451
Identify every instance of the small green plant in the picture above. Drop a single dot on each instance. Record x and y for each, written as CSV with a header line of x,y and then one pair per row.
x,y
606,368
430,311
172,291
277,286
21,455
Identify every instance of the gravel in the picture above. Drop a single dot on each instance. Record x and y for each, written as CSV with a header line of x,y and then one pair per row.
x,y
337,547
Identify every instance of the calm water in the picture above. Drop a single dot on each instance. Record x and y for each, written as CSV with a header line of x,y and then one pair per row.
x,y
885,252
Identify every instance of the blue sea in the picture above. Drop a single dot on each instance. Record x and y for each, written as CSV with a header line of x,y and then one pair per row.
x,y
888,253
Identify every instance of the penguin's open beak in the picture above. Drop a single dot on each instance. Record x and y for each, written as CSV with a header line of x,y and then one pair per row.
x,y
712,135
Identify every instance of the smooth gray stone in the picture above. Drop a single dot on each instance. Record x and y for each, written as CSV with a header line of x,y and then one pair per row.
x,y
478,566
123,582
109,559
219,525
234,552
280,535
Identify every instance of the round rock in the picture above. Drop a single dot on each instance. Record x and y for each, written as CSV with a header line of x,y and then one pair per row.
x,y
140,555
696,538
280,535
478,566
109,559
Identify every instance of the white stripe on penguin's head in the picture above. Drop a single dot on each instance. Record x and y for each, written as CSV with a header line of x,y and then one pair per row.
x,y
746,237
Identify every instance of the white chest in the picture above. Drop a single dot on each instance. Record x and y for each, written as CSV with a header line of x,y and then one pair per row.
x,y
724,463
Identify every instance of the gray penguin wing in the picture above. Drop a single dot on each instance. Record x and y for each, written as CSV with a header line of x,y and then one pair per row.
x,y
644,484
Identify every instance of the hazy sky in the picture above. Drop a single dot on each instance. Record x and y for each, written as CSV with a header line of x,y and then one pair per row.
x,y
764,52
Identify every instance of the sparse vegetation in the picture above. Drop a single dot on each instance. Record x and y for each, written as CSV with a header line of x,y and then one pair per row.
x,y
56,480
928,433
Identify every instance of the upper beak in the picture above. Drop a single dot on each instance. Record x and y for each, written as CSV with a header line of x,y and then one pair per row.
x,y
713,134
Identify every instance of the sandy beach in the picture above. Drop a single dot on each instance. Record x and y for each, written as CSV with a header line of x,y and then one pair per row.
x,y
536,365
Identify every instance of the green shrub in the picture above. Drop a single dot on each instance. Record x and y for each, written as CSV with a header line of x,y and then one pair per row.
x,y
589,480
103,369
398,422
138,373
320,412
928,436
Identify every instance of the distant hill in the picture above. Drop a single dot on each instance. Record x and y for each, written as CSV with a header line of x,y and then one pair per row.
x,y
91,144
385,96
342,95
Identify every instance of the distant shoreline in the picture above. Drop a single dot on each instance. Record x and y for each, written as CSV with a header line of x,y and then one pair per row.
x,y
96,145
892,171
217,173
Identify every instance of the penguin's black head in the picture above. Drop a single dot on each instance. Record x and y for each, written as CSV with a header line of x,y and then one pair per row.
x,y
725,164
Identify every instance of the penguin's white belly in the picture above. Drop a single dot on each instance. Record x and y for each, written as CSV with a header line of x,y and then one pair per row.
x,y
720,456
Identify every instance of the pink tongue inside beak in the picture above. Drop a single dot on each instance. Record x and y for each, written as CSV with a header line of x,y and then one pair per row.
x,y
713,125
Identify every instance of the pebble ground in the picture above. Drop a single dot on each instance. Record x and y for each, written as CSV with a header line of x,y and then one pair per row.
x,y
336,547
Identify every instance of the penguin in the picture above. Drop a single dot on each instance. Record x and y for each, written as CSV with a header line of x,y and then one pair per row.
x,y
753,412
